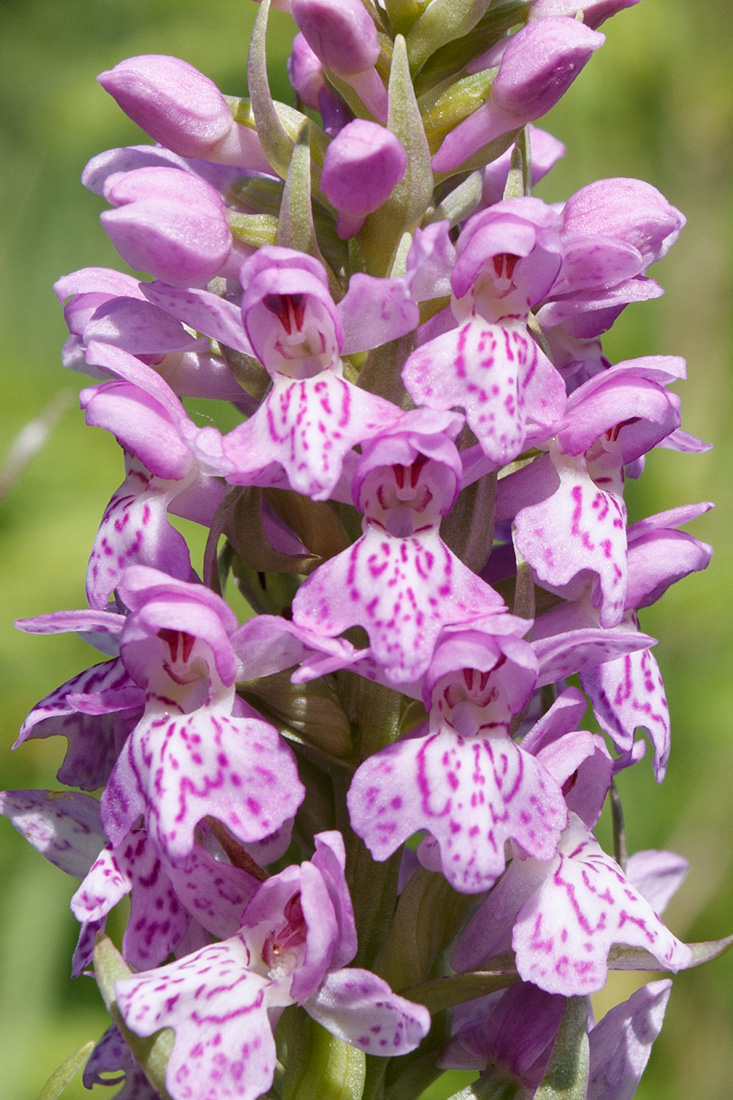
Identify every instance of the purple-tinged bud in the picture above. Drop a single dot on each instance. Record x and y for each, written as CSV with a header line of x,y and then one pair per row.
x,y
305,72
127,159
537,66
545,151
594,12
183,110
540,63
169,223
306,76
630,210
170,100
341,33
362,165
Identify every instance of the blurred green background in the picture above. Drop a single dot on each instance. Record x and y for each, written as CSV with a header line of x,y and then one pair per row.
x,y
656,103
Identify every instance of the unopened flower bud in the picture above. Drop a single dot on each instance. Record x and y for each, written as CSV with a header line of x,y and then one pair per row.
x,y
540,63
362,165
537,66
183,110
305,72
171,100
169,223
629,209
594,12
340,33
306,76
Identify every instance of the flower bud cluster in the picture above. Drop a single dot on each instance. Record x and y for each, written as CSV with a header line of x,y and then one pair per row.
x,y
422,501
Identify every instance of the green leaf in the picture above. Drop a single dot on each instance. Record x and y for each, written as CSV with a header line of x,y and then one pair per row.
x,y
566,1077
319,1065
61,1077
152,1053
253,229
442,112
405,208
428,915
709,949
278,146
266,593
460,202
620,850
441,22
295,228
315,522
245,528
442,993
289,119
415,190
468,530
403,13
263,197
621,957
492,1085
514,187
381,372
524,606
312,709
451,58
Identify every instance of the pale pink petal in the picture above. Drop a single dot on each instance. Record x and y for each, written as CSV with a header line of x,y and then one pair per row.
x,y
572,651
64,828
578,532
628,693
176,769
203,311
224,1049
565,930
621,1043
112,1055
94,739
361,1009
157,921
401,590
472,795
657,875
307,427
497,373
374,311
135,531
